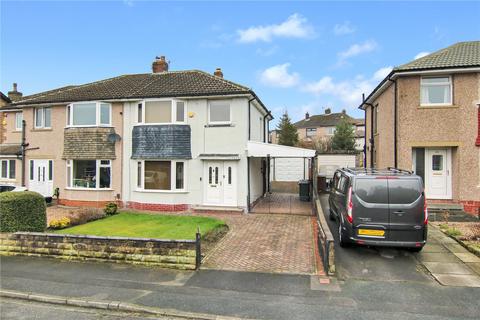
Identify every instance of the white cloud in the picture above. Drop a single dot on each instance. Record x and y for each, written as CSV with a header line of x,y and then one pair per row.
x,y
296,26
343,29
358,48
278,76
350,91
421,55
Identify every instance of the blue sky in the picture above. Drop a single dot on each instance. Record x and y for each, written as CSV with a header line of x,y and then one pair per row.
x,y
297,56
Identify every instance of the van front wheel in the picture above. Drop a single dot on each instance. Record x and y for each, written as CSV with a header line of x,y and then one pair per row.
x,y
343,242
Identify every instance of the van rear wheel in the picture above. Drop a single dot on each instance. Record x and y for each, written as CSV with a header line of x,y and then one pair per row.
x,y
343,242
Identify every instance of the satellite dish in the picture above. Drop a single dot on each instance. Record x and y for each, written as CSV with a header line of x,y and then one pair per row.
x,y
113,137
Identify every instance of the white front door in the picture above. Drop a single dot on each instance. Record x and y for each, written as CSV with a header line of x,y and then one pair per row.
x,y
220,183
41,177
438,173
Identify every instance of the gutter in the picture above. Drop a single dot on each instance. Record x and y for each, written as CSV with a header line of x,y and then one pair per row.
x,y
372,141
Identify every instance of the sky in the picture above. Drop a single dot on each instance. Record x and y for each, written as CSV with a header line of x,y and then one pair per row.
x,y
296,56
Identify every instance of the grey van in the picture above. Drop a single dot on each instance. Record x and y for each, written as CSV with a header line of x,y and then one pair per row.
x,y
379,207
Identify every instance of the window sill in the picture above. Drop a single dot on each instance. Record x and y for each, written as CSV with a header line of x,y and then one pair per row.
x,y
213,125
160,191
89,126
437,106
88,189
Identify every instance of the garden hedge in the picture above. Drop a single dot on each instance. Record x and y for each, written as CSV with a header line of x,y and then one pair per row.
x,y
22,211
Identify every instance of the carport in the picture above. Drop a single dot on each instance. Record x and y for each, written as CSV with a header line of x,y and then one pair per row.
x,y
270,202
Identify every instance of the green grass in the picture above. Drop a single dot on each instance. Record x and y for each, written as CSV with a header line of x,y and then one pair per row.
x,y
129,224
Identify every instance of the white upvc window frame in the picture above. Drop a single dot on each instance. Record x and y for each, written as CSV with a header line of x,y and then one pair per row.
x,y
312,131
173,181
173,111
8,163
18,115
229,122
98,165
450,83
35,115
331,130
69,115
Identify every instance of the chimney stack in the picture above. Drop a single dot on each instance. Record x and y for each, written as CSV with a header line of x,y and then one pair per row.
x,y
218,73
307,115
14,95
159,65
344,111
328,111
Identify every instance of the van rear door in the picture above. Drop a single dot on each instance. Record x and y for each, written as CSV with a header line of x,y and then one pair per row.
x,y
406,209
370,207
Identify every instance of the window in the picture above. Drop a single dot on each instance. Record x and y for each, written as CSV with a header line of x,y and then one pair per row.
x,y
436,91
161,111
50,170
8,169
31,169
18,121
90,174
372,190
89,114
375,119
43,118
161,175
311,132
219,112
331,131
437,162
404,191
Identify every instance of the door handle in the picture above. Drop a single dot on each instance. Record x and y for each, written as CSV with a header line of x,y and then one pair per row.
x,y
399,212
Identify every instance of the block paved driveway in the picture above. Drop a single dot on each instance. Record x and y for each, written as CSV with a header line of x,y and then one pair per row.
x,y
266,243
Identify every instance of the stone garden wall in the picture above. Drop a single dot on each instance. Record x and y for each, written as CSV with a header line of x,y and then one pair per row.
x,y
178,254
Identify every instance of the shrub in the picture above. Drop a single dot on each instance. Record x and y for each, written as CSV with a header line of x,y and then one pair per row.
x,y
22,211
110,209
59,223
84,215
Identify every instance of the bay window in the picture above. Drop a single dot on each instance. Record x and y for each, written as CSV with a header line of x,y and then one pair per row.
x,y
90,174
43,118
436,91
161,111
160,175
89,114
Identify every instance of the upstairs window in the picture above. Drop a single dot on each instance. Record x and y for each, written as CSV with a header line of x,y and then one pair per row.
x,y
161,111
43,118
89,114
18,121
331,131
219,112
311,132
436,91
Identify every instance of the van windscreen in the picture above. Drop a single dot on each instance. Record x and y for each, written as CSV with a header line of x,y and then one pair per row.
x,y
372,190
403,191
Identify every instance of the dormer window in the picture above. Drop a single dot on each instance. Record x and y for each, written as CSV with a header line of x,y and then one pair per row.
x,y
436,91
89,114
161,111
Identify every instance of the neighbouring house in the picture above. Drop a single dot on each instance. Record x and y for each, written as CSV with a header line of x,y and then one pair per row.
x,y
425,116
165,140
322,127
4,102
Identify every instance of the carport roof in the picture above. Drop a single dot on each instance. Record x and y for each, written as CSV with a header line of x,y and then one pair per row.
x,y
261,150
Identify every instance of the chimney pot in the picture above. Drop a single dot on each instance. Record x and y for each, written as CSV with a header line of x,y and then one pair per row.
x,y
307,115
218,72
159,65
344,111
328,111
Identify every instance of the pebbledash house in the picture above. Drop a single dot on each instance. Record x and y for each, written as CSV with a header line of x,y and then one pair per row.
x,y
165,141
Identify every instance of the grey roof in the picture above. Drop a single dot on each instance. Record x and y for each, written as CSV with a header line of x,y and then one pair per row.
x,y
145,85
10,149
325,120
459,55
4,97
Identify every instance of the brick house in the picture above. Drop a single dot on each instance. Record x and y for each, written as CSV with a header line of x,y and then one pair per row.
x,y
424,116
165,140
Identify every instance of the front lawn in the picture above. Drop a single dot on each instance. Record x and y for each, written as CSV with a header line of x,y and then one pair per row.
x,y
129,224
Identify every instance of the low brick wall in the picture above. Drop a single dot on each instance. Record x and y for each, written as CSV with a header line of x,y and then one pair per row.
x,y
177,254
157,206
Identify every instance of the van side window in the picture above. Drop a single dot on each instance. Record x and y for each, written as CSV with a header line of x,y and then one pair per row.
x,y
342,185
336,179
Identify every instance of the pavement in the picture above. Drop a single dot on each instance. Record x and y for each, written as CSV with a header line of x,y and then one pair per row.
x,y
237,294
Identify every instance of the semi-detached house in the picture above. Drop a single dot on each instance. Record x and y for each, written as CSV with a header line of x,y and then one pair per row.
x,y
166,140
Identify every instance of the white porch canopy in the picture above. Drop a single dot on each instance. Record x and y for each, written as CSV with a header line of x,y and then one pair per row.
x,y
262,150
